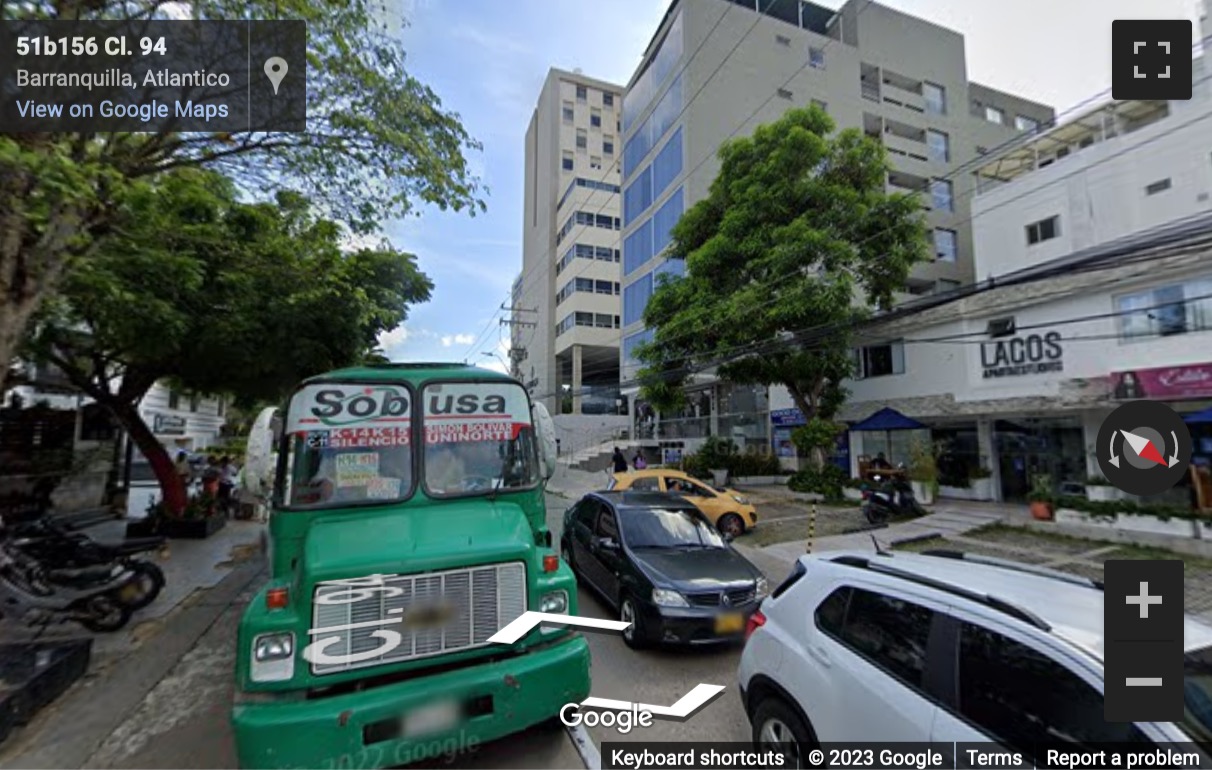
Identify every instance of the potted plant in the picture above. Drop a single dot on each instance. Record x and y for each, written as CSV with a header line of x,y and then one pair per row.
x,y
980,481
717,455
1041,499
1099,489
923,471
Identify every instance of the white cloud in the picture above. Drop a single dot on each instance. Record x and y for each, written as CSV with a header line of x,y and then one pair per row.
x,y
450,340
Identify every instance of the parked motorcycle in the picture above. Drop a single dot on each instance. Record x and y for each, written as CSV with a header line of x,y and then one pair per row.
x,y
894,497
74,560
26,595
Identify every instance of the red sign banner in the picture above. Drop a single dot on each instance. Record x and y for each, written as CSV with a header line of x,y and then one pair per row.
x,y
1168,382
472,430
354,438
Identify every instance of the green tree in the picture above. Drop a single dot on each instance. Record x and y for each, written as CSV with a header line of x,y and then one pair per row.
x,y
797,233
217,296
378,142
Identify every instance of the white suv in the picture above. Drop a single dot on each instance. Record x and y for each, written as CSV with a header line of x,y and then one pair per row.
x,y
944,647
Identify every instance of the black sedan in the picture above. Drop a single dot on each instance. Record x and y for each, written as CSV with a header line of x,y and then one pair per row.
x,y
662,565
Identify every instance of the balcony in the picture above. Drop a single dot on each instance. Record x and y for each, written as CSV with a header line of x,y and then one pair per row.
x,y
903,92
869,82
903,182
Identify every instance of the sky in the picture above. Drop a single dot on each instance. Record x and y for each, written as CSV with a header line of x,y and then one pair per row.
x,y
487,59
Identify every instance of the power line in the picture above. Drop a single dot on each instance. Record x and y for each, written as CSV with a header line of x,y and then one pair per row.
x,y
961,168
819,332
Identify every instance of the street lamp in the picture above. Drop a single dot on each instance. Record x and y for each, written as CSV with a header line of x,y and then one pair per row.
x,y
498,357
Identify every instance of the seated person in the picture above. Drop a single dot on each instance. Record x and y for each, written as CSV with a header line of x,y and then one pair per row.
x,y
880,463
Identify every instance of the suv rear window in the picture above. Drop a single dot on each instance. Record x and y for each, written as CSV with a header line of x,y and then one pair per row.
x,y
891,633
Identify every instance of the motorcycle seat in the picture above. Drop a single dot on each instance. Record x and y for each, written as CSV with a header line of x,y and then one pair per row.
x,y
133,545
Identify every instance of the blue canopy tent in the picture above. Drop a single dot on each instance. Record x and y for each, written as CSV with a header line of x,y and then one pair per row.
x,y
887,421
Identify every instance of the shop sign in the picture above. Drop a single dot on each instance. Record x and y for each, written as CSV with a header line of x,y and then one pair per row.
x,y
787,418
168,425
1167,382
1018,356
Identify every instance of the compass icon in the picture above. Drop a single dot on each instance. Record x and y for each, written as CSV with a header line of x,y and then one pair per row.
x,y
1144,448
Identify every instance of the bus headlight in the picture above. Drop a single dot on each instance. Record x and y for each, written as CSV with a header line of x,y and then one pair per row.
x,y
555,603
273,657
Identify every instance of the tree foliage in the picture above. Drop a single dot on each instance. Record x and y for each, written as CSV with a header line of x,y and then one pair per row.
x,y
218,296
795,242
378,143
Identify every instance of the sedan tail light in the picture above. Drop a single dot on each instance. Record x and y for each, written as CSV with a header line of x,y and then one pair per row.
x,y
756,621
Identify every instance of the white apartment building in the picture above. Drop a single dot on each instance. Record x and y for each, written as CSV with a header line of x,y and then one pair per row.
x,y
1111,215
566,319
720,68
183,421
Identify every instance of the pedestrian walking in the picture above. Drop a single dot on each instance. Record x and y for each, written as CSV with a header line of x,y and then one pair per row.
x,y
638,462
227,483
620,462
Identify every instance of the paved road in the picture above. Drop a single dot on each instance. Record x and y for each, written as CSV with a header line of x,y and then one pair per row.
x,y
167,704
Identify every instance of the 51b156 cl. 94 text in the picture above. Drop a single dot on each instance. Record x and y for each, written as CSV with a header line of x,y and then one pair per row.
x,y
88,46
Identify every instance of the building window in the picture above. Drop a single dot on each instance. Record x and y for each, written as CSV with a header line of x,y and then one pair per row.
x,y
940,146
174,399
816,58
1167,310
1024,123
936,98
1043,230
604,321
595,118
782,40
582,93
784,93
195,401
1156,187
995,115
595,162
568,112
608,145
607,99
940,195
582,139
567,161
881,360
946,247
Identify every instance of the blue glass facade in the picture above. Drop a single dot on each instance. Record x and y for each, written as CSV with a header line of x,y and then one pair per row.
x,y
664,220
630,363
647,135
649,184
635,299
650,238
668,53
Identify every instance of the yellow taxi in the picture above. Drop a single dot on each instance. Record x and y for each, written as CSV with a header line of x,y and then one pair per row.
x,y
731,513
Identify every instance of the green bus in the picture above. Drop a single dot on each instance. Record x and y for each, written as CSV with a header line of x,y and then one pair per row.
x,y
407,526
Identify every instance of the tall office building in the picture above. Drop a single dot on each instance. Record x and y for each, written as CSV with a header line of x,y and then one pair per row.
x,y
566,317
720,68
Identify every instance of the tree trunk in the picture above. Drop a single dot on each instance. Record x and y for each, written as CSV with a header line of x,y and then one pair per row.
x,y
30,267
807,404
172,489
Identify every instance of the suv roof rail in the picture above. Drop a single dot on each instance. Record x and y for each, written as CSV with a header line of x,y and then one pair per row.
x,y
1030,569
993,602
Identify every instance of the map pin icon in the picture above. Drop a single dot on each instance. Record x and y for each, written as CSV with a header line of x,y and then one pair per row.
x,y
275,70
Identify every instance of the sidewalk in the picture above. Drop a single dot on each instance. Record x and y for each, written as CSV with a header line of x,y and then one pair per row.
x,y
126,665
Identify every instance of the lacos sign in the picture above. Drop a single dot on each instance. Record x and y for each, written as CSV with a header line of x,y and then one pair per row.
x,y
1026,354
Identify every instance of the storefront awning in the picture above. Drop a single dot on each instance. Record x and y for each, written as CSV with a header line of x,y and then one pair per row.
x,y
1204,416
888,419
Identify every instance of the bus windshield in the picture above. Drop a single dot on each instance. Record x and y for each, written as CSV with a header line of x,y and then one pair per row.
x,y
348,444
478,439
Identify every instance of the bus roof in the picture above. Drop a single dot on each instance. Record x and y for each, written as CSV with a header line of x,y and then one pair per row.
x,y
411,372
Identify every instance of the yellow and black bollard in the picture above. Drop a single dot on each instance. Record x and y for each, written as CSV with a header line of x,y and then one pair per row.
x,y
812,526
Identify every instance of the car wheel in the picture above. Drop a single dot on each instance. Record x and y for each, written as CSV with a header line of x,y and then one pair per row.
x,y
731,524
777,727
634,635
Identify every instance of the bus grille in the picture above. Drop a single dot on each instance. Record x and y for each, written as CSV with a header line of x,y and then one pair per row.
x,y
471,603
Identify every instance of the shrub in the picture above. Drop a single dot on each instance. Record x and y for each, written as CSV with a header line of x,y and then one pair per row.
x,y
980,472
1097,480
827,482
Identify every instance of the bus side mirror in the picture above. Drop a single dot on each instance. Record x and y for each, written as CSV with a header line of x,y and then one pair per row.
x,y
544,428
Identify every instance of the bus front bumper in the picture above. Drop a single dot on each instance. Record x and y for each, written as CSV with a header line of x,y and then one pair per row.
x,y
368,729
